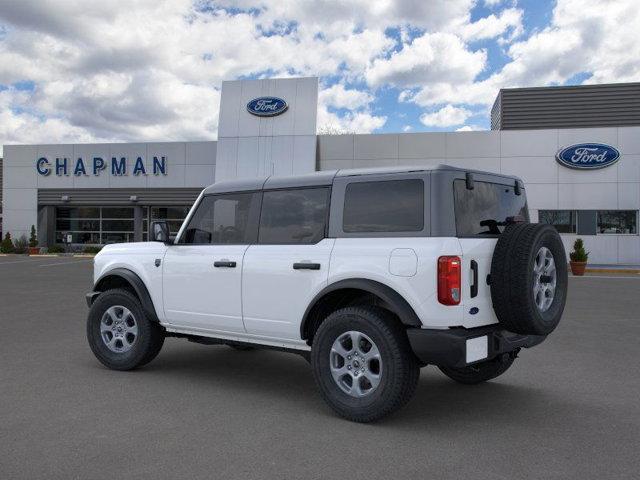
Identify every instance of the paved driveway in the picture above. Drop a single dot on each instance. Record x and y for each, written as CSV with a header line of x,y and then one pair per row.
x,y
567,409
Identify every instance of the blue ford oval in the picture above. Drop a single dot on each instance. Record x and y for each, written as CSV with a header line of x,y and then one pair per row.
x,y
588,156
267,106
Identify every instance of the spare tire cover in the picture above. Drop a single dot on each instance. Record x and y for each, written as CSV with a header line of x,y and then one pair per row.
x,y
529,278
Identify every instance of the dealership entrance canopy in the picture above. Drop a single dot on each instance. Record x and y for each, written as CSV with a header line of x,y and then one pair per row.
x,y
576,148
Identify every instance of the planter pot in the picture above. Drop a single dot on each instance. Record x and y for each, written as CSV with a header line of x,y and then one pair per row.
x,y
34,250
578,268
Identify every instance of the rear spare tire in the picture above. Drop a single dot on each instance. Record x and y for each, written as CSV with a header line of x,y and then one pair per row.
x,y
529,278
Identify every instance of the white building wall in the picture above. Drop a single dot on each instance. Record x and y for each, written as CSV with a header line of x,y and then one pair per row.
x,y
529,154
252,146
189,165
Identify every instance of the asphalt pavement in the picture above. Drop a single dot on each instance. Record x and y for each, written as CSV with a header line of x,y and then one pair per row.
x,y
569,408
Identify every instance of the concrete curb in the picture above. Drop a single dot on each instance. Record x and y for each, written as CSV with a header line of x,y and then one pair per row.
x,y
625,271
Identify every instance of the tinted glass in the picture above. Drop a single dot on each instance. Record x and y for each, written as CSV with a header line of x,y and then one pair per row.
x,y
388,206
618,221
222,219
563,220
485,209
294,216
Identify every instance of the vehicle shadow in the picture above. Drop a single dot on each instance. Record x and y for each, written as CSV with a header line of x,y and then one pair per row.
x,y
439,403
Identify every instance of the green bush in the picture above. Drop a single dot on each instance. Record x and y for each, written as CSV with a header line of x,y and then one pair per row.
x,y
91,249
579,254
33,238
7,244
56,249
20,245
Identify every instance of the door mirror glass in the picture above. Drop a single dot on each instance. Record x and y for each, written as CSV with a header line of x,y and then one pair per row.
x,y
160,232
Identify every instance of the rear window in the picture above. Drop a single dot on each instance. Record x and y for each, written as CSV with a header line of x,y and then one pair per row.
x,y
485,209
385,206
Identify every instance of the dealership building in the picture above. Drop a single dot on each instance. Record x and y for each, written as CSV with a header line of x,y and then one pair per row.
x,y
577,150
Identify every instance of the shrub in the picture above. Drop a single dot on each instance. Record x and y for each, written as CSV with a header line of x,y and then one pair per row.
x,y
579,254
56,249
7,244
33,238
20,245
91,249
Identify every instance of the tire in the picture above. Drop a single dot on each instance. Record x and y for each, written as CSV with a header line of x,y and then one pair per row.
x,y
529,279
127,350
395,367
480,372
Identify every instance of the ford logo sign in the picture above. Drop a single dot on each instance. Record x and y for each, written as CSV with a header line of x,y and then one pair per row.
x,y
588,156
267,106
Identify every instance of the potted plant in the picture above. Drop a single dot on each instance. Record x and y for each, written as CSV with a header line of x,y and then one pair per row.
x,y
7,244
33,242
578,258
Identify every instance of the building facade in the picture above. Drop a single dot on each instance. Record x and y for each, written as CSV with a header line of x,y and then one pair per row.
x,y
104,193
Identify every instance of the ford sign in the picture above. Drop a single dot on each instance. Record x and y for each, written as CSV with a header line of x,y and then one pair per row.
x,y
588,156
267,106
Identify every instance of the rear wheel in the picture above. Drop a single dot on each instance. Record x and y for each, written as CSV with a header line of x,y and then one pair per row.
x,y
119,332
480,372
363,364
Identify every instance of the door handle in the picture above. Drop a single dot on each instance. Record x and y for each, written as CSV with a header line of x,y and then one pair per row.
x,y
306,266
474,270
224,263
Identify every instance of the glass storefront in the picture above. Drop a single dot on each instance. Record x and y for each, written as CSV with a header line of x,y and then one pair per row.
x,y
103,225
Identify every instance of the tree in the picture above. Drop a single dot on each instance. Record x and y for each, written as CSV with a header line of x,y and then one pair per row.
x,y
33,238
7,244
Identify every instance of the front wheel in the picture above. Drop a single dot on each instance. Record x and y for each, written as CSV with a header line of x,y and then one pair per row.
x,y
119,332
363,364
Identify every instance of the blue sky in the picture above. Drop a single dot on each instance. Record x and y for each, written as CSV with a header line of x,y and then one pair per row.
x,y
77,71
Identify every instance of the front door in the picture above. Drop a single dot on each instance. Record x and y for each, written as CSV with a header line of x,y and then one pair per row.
x,y
202,272
289,264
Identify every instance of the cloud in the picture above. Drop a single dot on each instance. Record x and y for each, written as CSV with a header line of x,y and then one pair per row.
x,y
447,116
509,20
338,96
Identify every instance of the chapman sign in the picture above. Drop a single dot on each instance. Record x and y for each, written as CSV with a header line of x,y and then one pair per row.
x,y
588,156
267,106
117,166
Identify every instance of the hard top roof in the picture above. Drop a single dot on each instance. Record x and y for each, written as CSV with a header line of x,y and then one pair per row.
x,y
326,177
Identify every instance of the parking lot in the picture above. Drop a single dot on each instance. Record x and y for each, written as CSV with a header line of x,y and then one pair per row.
x,y
567,409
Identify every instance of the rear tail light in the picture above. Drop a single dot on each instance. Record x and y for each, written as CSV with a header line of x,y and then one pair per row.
x,y
449,280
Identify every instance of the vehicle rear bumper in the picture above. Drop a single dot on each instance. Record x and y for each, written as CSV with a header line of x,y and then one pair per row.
x,y
90,297
459,347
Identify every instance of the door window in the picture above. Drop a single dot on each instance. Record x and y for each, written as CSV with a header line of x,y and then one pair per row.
x,y
296,216
223,219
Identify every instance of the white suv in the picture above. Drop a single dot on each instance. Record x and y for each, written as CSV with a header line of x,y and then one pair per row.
x,y
370,274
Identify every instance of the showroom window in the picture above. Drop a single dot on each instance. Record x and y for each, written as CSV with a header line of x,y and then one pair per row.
x,y
565,221
401,211
94,225
174,216
294,216
618,222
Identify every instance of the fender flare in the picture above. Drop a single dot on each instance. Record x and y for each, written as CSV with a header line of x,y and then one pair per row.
x,y
138,286
393,299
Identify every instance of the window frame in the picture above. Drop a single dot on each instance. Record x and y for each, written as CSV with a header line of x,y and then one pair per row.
x,y
252,222
325,232
338,194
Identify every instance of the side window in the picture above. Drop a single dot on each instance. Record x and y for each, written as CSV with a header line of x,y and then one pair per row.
x,y
384,206
294,216
223,219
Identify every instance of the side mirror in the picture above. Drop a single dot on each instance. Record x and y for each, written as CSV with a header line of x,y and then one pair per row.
x,y
160,232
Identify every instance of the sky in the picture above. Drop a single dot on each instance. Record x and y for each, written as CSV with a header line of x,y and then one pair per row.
x,y
77,71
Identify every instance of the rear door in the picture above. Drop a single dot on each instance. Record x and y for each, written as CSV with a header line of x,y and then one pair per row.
x,y
289,263
481,214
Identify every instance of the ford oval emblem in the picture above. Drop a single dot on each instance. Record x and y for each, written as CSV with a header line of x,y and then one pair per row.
x,y
267,106
588,156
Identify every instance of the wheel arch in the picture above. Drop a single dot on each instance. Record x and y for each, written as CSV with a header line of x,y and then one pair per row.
x,y
330,295
125,278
